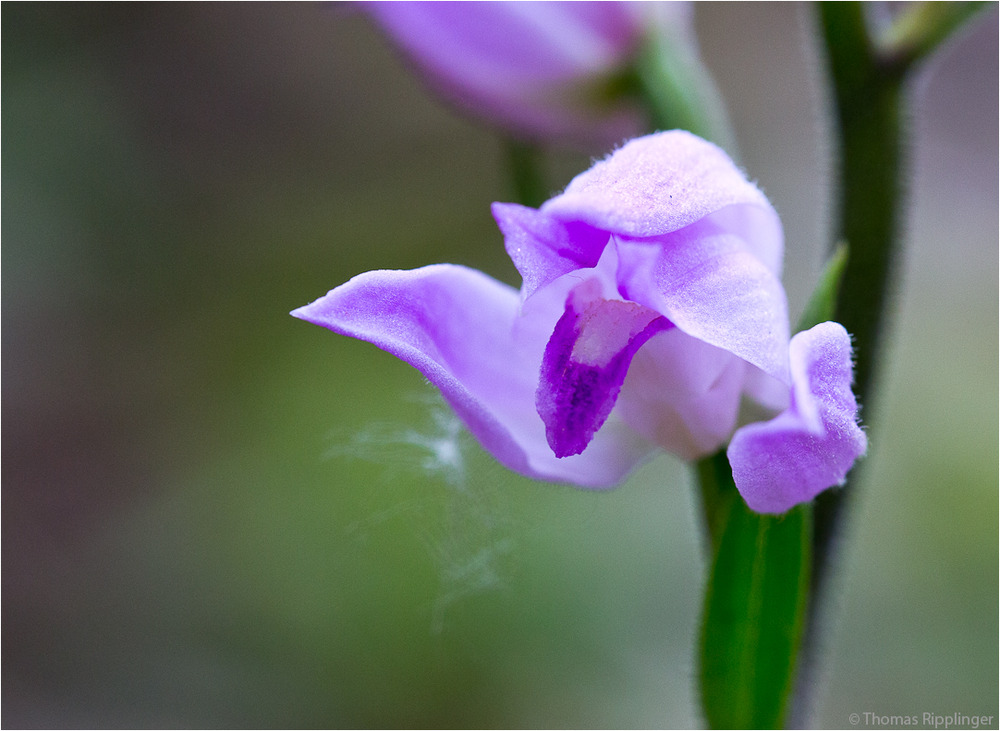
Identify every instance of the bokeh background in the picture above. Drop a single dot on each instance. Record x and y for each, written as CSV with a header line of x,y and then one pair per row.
x,y
215,515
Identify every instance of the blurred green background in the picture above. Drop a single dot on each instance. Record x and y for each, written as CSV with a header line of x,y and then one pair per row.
x,y
218,516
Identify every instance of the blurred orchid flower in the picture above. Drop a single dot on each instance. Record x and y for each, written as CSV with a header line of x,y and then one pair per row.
x,y
540,70
651,305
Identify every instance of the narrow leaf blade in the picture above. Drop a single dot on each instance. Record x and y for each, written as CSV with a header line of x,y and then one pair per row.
x,y
823,300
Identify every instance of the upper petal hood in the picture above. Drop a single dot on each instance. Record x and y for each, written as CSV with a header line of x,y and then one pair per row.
x,y
653,187
661,183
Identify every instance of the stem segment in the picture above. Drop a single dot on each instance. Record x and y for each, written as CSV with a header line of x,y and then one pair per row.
x,y
868,86
868,83
867,101
524,162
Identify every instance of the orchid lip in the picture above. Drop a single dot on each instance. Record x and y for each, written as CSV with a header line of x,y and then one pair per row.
x,y
585,364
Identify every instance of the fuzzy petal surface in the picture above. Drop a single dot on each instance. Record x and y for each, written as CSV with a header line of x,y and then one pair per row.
x,y
544,248
664,182
712,288
812,445
456,326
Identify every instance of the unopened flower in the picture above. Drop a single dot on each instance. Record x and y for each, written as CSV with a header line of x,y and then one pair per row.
x,y
651,306
542,70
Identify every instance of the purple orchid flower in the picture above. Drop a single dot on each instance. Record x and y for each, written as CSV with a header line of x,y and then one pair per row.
x,y
651,306
543,70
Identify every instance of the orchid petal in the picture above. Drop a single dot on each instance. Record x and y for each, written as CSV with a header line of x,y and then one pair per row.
x,y
585,364
713,289
544,248
810,446
661,183
455,325
683,394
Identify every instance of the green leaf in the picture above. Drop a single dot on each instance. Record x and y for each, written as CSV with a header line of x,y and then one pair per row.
x,y
754,609
823,301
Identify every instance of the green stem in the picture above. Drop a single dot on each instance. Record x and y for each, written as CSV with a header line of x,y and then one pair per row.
x,y
868,82
868,90
713,475
867,99
867,102
524,162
